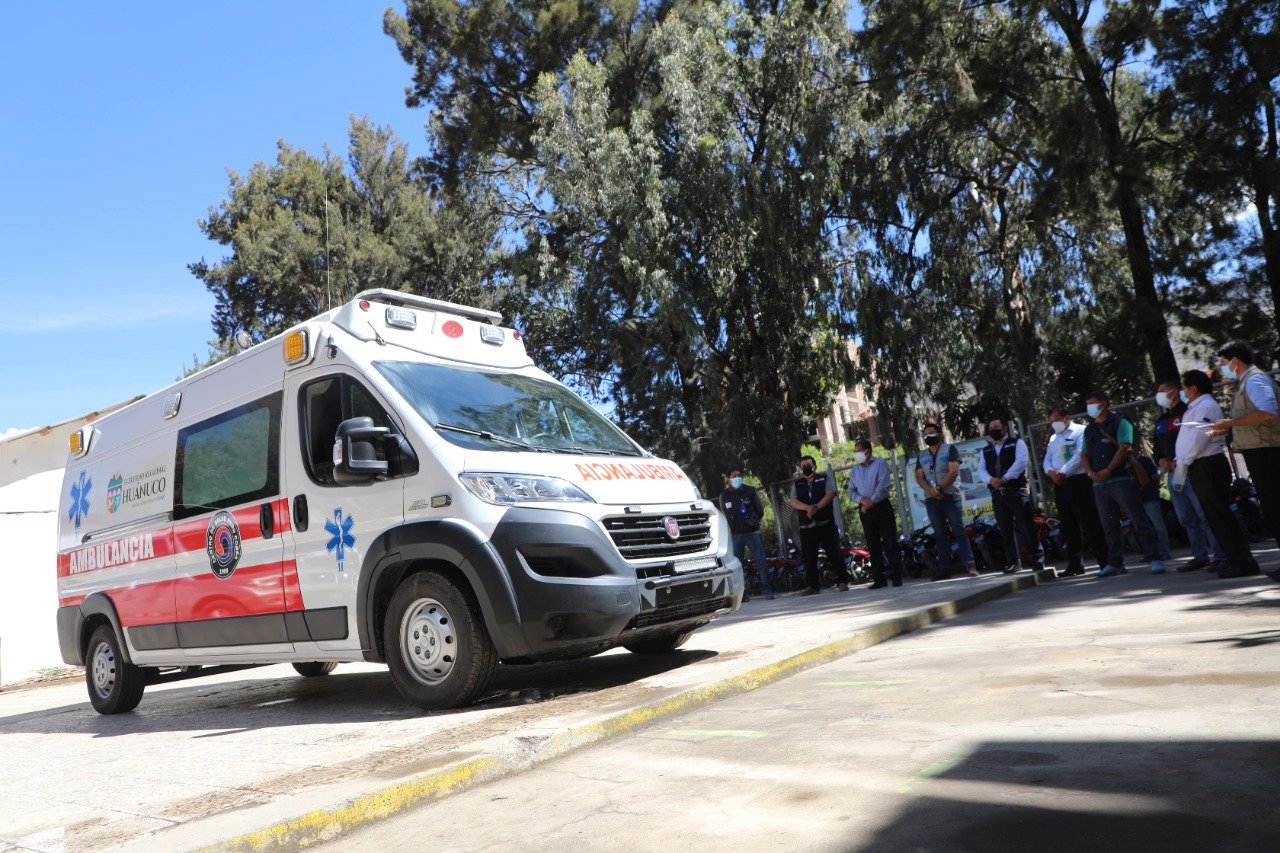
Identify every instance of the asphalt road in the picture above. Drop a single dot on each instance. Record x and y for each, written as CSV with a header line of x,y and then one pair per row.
x,y
1135,713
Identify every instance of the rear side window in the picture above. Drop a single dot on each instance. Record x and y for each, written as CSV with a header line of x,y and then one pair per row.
x,y
325,403
229,459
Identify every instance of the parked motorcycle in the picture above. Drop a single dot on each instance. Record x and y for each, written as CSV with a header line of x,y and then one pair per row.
x,y
914,549
1244,502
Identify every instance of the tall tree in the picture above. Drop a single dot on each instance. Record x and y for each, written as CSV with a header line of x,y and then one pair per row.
x,y
1222,62
1100,53
690,260
309,232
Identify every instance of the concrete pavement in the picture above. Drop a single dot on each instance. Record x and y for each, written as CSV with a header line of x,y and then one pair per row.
x,y
1134,713
218,758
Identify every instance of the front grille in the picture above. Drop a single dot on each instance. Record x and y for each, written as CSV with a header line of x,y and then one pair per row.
x,y
644,537
676,612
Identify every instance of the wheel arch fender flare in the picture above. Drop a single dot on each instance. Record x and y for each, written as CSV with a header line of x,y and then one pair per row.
x,y
99,604
442,541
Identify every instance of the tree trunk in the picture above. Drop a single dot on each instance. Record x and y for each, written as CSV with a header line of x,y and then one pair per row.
x,y
1149,314
1265,195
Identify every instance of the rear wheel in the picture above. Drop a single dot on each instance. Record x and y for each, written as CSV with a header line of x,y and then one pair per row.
x,y
115,686
659,645
438,650
313,668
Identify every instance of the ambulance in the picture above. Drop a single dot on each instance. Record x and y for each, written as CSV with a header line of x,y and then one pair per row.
x,y
392,481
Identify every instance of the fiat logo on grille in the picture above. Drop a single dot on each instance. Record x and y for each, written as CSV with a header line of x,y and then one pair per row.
x,y
672,526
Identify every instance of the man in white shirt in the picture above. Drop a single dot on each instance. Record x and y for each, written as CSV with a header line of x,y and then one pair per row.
x,y
1003,468
1073,492
1202,460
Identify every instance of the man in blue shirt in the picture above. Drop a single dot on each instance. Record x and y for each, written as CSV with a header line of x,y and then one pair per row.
x,y
743,509
937,469
869,489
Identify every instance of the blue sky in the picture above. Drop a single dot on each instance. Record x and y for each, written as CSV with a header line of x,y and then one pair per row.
x,y
119,122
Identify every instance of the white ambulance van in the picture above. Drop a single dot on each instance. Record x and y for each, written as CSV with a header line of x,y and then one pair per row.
x,y
391,481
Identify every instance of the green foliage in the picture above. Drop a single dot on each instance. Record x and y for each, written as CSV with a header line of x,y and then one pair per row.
x,y
307,233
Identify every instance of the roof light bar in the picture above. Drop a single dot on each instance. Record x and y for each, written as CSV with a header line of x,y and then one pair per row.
x,y
398,298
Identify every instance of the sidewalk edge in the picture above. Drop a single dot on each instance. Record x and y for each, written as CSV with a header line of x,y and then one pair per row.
x,y
326,824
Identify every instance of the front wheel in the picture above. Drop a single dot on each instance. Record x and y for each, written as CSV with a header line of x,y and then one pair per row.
x,y
438,650
311,669
659,645
115,686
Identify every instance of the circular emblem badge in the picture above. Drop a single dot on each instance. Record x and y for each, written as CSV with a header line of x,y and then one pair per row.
x,y
222,544
672,526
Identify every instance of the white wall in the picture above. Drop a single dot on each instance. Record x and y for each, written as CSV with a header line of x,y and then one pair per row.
x,y
31,466
28,576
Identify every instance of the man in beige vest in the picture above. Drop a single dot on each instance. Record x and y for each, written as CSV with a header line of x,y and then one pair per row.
x,y
1254,423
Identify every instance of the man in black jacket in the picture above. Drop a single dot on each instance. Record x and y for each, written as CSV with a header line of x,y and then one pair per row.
x,y
741,505
811,497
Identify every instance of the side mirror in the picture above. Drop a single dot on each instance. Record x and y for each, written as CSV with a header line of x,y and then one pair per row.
x,y
401,459
355,452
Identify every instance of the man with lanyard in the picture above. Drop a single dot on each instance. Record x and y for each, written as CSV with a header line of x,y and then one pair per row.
x,y
1255,428
1004,470
937,468
1073,492
811,496
1107,455
1164,445
869,489
742,507
1202,465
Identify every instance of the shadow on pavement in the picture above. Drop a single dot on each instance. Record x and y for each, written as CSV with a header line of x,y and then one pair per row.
x,y
1046,796
289,700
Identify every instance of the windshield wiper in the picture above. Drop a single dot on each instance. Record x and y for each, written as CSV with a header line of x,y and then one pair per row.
x,y
598,451
486,435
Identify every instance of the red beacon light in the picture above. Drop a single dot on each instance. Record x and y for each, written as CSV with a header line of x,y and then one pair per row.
x,y
452,329
515,333
364,304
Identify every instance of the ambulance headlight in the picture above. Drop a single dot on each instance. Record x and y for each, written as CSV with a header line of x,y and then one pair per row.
x,y
520,488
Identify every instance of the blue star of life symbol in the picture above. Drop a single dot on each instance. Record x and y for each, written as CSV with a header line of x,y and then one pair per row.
x,y
79,500
340,538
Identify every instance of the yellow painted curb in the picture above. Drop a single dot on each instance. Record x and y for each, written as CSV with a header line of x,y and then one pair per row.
x,y
321,825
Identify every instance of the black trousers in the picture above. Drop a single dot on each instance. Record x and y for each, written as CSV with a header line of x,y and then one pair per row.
x,y
826,537
1264,471
1079,516
1210,476
1013,512
881,530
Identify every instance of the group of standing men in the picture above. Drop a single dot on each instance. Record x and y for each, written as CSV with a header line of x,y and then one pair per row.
x,y
1097,477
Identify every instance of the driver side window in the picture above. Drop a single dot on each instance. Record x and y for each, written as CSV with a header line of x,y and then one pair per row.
x,y
324,404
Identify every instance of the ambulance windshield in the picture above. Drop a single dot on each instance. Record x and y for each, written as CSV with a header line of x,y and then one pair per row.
x,y
504,411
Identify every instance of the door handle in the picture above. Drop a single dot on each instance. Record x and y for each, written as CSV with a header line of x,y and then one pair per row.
x,y
300,519
267,521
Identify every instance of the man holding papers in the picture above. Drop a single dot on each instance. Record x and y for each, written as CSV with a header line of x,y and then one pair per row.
x,y
1202,465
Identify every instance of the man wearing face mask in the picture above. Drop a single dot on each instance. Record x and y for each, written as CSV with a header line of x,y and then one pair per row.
x,y
741,505
1186,505
1202,465
1107,455
1004,469
869,488
1073,492
811,496
1255,427
937,468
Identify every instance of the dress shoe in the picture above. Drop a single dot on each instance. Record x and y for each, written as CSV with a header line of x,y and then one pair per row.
x,y
809,591
1008,570
1072,571
1227,572
880,584
1194,565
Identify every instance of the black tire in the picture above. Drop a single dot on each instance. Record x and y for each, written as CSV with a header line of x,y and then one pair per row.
x,y
452,659
311,669
114,685
659,645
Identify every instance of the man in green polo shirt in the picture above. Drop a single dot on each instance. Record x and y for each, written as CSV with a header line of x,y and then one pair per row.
x,y
1107,456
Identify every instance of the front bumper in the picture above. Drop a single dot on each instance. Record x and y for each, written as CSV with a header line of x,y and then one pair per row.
x,y
575,595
